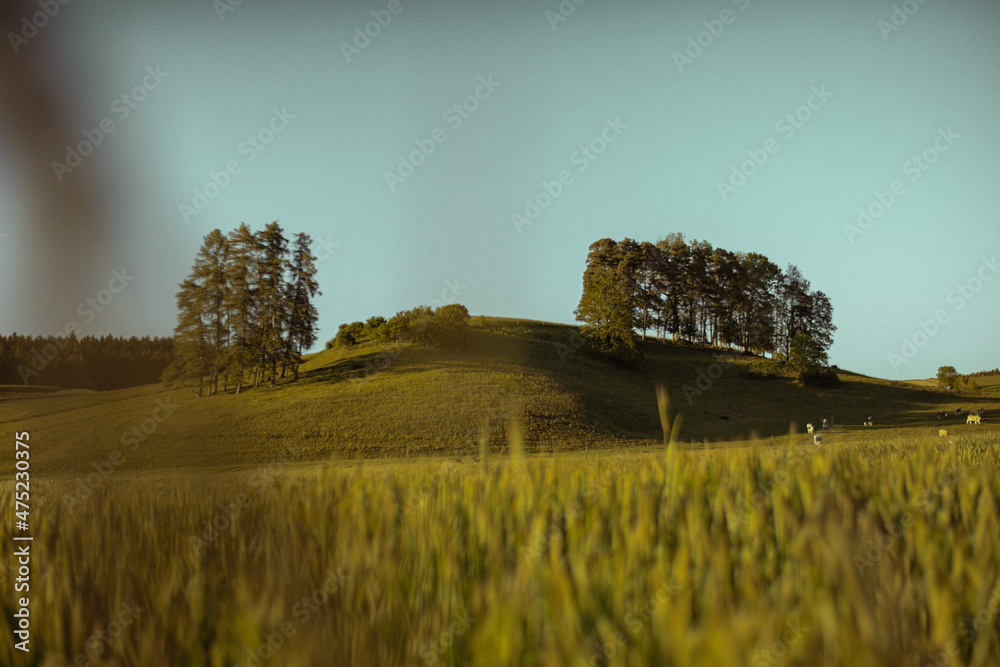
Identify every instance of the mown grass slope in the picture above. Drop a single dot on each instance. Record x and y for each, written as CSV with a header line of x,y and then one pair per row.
x,y
397,401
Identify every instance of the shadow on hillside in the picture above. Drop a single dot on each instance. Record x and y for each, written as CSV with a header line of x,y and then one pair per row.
x,y
345,369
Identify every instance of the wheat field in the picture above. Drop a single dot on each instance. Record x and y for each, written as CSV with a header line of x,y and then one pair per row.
x,y
771,553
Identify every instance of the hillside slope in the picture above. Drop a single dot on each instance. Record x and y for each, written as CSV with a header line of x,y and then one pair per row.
x,y
396,401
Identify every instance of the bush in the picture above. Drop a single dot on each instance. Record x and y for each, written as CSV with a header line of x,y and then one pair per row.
x,y
451,324
375,327
348,334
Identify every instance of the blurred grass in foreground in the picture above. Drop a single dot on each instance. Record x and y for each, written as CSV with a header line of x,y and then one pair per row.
x,y
788,554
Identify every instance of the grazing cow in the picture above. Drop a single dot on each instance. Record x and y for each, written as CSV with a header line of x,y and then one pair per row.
x,y
958,410
809,429
817,439
980,411
973,419
943,433
942,414
868,422
824,423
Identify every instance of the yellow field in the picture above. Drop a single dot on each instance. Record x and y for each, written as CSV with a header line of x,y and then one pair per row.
x,y
877,553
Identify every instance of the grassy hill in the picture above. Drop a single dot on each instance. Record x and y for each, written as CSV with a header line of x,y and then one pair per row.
x,y
397,401
989,384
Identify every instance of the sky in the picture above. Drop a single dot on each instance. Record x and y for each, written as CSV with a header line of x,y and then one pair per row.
x,y
472,151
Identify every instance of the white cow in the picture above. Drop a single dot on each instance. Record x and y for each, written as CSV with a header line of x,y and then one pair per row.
x,y
817,439
973,419
824,423
943,433
809,429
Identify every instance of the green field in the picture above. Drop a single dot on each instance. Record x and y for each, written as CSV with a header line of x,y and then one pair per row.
x,y
397,401
508,503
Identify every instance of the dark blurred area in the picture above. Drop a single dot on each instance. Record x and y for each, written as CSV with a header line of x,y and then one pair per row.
x,y
61,244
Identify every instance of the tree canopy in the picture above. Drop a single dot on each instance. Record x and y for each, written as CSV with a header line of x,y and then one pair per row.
x,y
245,311
695,293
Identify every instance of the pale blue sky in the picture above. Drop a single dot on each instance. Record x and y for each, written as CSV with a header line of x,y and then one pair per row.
x,y
680,134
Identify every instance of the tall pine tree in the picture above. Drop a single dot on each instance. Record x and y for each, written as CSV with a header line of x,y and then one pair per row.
x,y
302,287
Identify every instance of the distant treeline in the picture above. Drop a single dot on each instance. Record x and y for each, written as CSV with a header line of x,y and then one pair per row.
x,y
995,371
245,311
696,293
83,363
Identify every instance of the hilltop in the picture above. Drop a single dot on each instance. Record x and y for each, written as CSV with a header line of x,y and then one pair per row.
x,y
390,401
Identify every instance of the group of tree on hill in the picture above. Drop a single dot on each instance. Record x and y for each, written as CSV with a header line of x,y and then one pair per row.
x,y
947,376
83,363
246,311
445,325
700,294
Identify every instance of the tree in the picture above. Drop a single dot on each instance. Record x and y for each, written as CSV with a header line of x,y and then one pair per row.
x,y
946,376
209,273
451,323
672,267
808,357
793,307
302,314
607,305
245,307
272,297
243,276
191,350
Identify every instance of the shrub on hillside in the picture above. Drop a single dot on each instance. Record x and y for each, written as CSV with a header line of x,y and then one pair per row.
x,y
451,323
446,325
349,334
374,327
